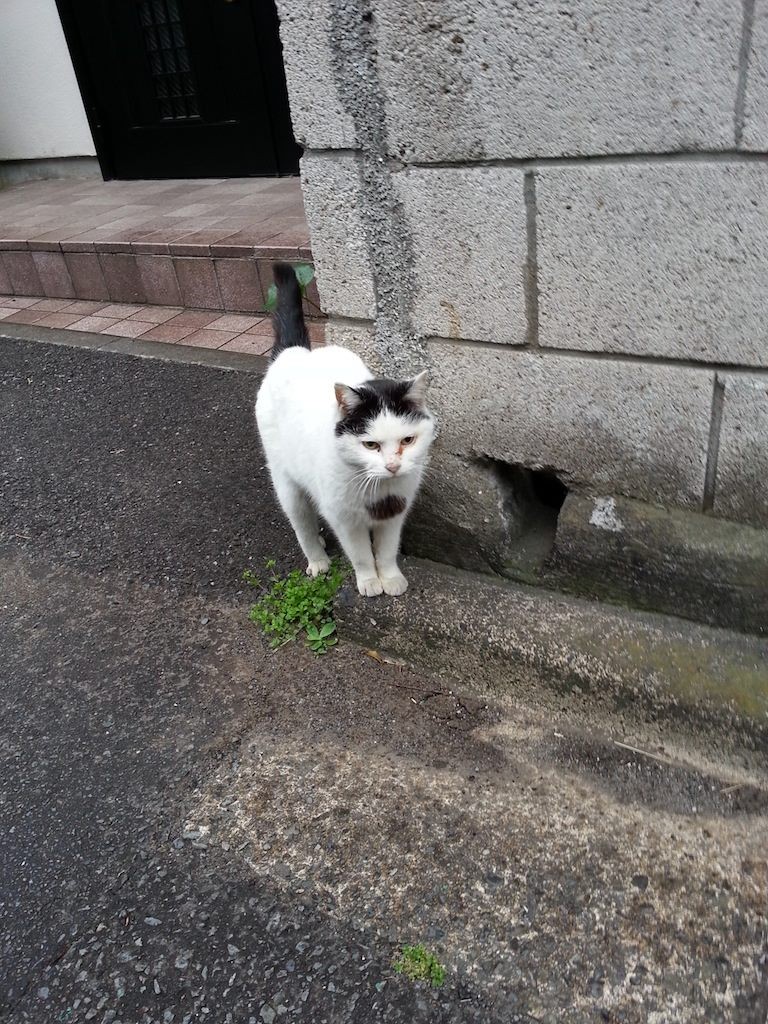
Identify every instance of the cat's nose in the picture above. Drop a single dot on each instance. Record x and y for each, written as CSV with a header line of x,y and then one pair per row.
x,y
393,467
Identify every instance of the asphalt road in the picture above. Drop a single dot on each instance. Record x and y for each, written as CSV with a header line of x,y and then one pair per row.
x,y
193,828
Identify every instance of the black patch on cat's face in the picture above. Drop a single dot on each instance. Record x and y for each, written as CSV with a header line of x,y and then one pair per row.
x,y
377,396
386,508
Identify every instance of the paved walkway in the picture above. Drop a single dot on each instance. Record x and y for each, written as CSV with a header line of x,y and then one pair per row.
x,y
195,828
196,244
207,328
150,216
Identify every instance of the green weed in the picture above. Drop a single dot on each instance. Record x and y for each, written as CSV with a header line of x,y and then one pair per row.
x,y
319,640
297,603
419,965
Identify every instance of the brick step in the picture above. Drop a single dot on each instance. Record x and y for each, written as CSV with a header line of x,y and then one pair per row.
x,y
237,282
206,328
192,244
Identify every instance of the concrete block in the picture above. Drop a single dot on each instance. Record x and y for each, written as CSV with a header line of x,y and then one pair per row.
x,y
459,517
679,562
378,353
333,200
319,118
741,487
755,133
666,259
468,232
358,338
473,80
604,427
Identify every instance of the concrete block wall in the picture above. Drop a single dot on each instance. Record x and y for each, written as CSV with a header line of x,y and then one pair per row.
x,y
561,207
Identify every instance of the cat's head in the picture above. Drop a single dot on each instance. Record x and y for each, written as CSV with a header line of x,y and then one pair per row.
x,y
385,427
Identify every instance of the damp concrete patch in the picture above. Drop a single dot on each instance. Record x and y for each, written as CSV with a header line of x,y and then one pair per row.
x,y
548,894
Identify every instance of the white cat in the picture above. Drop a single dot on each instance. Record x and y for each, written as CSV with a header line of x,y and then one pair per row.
x,y
342,444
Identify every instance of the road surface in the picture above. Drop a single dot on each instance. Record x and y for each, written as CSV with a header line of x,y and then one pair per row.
x,y
194,828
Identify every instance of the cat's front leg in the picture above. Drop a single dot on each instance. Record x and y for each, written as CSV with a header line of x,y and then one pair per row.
x,y
386,544
303,519
356,542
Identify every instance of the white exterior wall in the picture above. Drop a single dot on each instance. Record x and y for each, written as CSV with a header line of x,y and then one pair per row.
x,y
41,112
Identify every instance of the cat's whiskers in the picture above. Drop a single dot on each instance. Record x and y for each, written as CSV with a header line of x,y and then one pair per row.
x,y
376,486
361,481
361,491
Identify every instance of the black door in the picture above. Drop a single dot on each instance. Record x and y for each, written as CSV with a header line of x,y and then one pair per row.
x,y
182,88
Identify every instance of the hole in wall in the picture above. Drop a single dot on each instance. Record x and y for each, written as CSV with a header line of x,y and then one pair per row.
x,y
548,488
532,500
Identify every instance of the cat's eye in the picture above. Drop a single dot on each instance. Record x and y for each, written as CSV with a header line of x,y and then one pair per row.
x,y
408,440
372,446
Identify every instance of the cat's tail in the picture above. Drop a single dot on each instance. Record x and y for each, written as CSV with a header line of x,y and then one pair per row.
x,y
288,318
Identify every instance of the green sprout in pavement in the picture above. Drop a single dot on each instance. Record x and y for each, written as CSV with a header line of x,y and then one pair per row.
x,y
297,603
419,965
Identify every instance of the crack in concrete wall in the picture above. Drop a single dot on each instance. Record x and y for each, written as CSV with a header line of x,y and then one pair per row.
x,y
353,60
741,87
531,282
713,449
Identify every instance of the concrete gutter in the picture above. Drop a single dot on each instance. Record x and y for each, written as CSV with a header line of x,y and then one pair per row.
x,y
499,636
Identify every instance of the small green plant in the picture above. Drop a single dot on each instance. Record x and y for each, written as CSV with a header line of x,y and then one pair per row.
x,y
304,274
419,965
319,640
296,603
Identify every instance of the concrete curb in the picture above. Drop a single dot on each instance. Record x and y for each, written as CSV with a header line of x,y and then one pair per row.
x,y
242,361
671,561
503,637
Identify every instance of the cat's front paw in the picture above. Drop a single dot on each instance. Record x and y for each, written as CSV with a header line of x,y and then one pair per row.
x,y
394,585
318,566
370,587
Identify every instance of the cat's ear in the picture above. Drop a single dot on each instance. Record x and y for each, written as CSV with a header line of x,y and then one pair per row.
x,y
417,389
347,397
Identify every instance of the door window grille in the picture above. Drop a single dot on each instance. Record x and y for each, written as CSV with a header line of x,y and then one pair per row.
x,y
168,55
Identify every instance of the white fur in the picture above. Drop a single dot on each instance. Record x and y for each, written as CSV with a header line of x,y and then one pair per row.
x,y
314,471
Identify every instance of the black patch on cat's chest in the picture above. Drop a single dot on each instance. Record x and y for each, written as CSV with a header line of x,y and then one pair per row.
x,y
387,508
376,396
